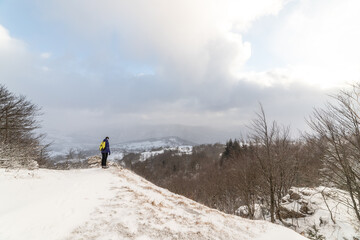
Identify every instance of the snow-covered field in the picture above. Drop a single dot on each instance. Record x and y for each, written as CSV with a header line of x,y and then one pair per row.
x,y
112,204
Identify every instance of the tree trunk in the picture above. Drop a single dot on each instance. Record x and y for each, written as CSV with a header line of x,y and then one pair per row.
x,y
272,201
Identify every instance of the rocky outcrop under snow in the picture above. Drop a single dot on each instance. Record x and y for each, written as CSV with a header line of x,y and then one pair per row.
x,y
95,162
321,207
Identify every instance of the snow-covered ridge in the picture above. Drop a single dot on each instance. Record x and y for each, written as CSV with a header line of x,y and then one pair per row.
x,y
178,151
153,143
150,147
112,204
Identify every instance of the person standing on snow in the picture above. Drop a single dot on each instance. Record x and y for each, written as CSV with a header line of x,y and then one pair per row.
x,y
105,151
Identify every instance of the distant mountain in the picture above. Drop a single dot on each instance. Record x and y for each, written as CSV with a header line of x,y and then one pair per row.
x,y
62,146
152,143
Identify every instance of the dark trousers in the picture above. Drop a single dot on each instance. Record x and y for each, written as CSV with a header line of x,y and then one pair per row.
x,y
103,160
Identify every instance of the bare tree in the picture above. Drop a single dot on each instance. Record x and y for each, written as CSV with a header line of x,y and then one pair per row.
x,y
18,122
338,124
246,180
277,159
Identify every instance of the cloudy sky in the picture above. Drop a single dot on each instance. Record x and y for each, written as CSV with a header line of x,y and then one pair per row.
x,y
134,69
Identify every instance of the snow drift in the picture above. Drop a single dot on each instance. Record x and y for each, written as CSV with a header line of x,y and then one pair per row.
x,y
112,204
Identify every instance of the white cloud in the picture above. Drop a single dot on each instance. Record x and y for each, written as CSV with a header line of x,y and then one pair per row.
x,y
45,69
196,51
319,42
45,55
4,36
15,59
9,44
181,37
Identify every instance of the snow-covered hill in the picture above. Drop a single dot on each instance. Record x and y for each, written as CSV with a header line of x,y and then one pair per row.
x,y
112,204
153,143
120,149
151,147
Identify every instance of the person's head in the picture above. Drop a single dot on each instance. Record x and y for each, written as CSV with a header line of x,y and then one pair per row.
x,y
107,138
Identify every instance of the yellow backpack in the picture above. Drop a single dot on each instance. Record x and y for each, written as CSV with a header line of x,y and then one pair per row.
x,y
102,145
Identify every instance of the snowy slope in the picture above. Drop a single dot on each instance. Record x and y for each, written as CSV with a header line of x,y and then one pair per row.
x,y
43,203
112,204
